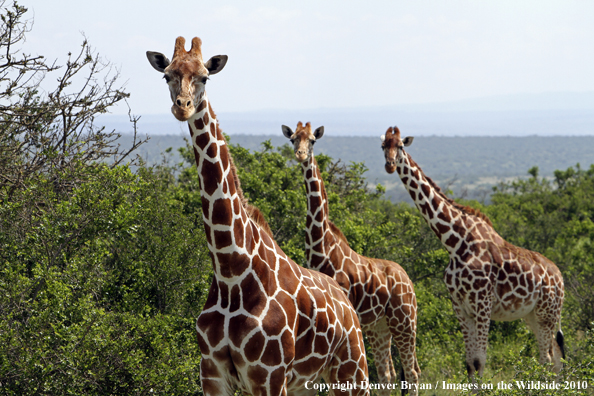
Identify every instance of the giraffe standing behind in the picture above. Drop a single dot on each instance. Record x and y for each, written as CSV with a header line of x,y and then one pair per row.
x,y
380,290
269,327
488,278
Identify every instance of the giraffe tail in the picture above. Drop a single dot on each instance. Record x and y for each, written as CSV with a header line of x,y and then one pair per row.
x,y
402,391
561,342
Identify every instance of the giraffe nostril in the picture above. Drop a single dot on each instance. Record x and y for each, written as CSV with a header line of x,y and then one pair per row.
x,y
188,103
178,102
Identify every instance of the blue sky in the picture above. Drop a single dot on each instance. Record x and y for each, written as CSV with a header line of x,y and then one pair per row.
x,y
313,54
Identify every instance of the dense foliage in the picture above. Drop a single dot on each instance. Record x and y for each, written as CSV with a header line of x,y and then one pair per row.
x,y
104,269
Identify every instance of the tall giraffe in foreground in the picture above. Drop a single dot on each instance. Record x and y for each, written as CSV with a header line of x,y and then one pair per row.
x,y
488,278
269,327
380,290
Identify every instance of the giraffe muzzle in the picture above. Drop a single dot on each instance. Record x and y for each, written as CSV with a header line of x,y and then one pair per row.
x,y
390,166
183,108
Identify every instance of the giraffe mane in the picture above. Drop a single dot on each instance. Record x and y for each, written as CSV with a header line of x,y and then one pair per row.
x,y
464,208
336,231
256,215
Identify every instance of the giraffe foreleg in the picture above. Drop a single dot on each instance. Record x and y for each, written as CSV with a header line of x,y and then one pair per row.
x,y
475,329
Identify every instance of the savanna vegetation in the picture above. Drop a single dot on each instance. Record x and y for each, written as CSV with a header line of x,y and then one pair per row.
x,y
104,266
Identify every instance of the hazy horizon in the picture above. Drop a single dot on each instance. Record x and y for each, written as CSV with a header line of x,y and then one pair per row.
x,y
547,114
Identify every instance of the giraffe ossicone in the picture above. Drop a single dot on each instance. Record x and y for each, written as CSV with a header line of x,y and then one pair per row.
x,y
269,326
488,278
380,290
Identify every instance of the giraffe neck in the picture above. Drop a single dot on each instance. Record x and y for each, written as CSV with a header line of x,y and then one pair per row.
x,y
317,241
226,224
444,218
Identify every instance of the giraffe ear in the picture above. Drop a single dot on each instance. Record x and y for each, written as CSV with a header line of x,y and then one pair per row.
x,y
288,132
383,138
157,60
319,132
216,64
407,141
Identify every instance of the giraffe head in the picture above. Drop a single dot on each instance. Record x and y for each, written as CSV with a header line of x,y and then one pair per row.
x,y
303,139
393,147
186,75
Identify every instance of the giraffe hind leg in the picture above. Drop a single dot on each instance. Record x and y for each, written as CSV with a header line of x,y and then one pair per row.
x,y
379,338
550,347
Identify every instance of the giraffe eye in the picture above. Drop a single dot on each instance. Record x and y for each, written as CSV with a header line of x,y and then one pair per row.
x,y
312,142
204,80
167,78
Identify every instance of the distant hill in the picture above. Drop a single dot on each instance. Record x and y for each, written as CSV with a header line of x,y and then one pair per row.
x,y
469,166
545,114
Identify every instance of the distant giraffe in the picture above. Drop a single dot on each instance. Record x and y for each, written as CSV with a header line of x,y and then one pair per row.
x,y
380,290
488,278
269,327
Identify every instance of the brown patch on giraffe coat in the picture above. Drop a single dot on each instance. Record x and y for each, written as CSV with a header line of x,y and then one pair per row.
x,y
235,299
426,209
201,141
314,187
207,232
452,241
426,190
258,375
211,174
435,202
288,345
208,369
212,150
321,345
242,325
206,119
274,323
462,249
226,161
205,203
320,217
311,366
459,228
213,128
277,381
413,184
199,124
201,107
224,293
222,239
316,260
304,342
254,301
254,347
272,355
234,263
203,345
212,323
221,212
287,281
442,228
236,206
